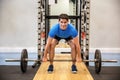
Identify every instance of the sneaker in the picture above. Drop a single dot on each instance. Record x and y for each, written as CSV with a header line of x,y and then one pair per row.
x,y
50,68
74,69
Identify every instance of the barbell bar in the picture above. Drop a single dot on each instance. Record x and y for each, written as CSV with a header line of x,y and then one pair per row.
x,y
31,60
24,60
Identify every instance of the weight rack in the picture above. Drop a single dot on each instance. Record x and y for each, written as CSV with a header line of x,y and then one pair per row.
x,y
84,25
41,30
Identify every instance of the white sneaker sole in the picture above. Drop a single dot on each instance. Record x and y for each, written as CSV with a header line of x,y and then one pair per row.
x,y
74,72
50,72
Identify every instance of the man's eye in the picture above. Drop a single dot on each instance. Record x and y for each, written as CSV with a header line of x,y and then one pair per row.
x,y
64,22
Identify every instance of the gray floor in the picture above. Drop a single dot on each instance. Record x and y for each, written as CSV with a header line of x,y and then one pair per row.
x,y
14,73
107,73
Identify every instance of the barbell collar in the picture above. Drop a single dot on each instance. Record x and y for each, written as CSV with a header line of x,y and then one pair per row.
x,y
94,60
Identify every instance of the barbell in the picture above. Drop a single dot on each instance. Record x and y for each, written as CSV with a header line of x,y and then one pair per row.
x,y
24,60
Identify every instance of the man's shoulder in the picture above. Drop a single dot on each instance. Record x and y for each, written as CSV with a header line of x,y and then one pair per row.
x,y
71,25
55,26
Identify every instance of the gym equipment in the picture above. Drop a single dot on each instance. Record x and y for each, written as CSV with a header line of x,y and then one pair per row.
x,y
24,60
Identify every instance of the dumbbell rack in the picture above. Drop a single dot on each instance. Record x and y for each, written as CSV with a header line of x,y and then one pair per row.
x,y
85,26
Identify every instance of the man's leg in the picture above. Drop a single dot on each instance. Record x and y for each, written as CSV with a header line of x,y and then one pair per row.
x,y
73,55
52,50
78,50
51,54
73,52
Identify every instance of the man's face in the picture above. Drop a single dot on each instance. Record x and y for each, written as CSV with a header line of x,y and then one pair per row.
x,y
63,24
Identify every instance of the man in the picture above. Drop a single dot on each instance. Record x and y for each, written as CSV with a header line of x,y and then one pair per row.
x,y
63,30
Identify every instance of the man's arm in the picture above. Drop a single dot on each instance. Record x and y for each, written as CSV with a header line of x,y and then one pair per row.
x,y
47,47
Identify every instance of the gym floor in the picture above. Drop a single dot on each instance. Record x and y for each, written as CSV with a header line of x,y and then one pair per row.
x,y
13,73
110,71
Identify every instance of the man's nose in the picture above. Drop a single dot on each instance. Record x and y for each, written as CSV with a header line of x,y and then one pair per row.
x,y
63,23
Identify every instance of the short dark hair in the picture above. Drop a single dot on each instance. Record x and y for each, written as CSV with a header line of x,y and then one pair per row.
x,y
63,16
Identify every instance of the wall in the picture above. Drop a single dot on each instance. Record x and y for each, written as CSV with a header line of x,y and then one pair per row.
x,y
18,24
104,24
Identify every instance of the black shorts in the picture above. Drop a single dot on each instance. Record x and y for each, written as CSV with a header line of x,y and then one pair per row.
x,y
59,38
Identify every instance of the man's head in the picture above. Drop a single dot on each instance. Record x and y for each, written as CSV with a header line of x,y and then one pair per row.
x,y
63,21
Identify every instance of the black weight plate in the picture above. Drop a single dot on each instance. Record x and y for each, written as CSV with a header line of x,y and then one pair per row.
x,y
98,62
23,63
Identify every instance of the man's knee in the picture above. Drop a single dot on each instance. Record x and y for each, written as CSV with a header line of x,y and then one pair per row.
x,y
71,44
53,44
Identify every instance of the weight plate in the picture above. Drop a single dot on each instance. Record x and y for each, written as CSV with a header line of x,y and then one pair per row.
x,y
98,62
23,63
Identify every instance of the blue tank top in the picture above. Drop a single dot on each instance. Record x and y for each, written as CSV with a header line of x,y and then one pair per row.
x,y
56,31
